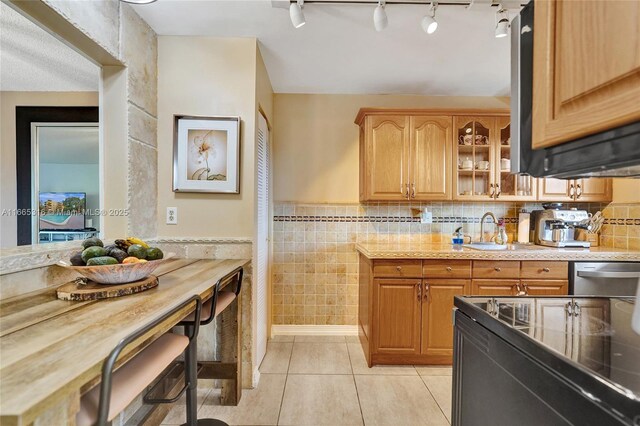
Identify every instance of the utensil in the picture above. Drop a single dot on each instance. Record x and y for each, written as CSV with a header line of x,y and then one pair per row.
x,y
552,206
120,273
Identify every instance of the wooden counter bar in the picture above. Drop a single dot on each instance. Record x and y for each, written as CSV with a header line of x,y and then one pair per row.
x,y
51,351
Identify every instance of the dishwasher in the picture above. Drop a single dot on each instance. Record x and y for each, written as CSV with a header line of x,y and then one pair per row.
x,y
604,278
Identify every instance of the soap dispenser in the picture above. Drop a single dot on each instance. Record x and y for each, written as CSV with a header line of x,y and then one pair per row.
x,y
501,236
457,239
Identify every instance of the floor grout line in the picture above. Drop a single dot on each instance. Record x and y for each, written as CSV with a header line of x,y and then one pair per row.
x,y
355,385
286,379
434,398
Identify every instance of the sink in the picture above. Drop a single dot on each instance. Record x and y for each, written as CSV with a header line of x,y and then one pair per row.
x,y
489,246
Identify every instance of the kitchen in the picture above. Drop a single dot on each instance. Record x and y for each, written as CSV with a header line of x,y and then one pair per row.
x,y
350,265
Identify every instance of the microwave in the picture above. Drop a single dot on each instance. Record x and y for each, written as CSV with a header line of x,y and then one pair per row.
x,y
612,153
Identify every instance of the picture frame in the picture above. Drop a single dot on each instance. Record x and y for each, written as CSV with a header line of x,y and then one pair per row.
x,y
206,154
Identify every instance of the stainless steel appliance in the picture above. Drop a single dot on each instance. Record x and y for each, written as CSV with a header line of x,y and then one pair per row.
x,y
614,152
556,228
604,278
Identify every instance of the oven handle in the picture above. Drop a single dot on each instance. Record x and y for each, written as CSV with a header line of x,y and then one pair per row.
x,y
597,274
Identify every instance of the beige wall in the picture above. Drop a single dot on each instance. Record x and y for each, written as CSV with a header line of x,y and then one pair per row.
x,y
207,76
626,190
315,151
8,103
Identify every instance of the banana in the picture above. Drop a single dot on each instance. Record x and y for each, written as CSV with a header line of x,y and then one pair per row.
x,y
134,240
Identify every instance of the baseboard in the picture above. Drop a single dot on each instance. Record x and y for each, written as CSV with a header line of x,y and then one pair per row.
x,y
314,330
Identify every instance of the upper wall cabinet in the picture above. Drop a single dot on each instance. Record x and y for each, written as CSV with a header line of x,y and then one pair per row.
x,y
587,190
404,157
586,68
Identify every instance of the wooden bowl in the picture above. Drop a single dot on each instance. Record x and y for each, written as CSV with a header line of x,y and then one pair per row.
x,y
120,273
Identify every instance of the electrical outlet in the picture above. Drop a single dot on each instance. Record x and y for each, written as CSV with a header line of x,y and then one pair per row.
x,y
426,217
172,215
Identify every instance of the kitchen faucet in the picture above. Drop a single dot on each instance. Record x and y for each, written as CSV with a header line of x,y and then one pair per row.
x,y
482,224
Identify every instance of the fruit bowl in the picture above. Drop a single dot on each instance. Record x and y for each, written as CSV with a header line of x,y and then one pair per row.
x,y
118,274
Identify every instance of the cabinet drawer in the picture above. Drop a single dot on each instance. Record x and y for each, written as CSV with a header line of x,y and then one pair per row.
x,y
496,269
545,287
397,268
446,269
545,270
494,287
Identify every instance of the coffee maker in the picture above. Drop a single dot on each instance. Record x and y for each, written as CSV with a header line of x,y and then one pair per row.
x,y
557,227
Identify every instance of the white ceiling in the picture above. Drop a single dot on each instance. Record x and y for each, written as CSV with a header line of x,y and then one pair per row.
x,y
338,50
31,59
68,145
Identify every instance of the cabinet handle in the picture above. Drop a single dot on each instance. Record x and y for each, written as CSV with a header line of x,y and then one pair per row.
x,y
571,191
525,288
406,195
578,190
576,309
497,269
569,308
399,268
545,269
413,190
519,291
426,292
492,191
498,191
419,291
449,269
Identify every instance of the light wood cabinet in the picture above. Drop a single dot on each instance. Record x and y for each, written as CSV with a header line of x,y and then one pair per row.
x,y
494,287
585,68
437,318
586,190
430,158
397,314
544,287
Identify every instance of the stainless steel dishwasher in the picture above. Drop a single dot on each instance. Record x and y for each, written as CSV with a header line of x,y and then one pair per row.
x,y
604,278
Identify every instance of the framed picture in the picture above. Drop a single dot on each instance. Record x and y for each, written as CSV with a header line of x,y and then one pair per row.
x,y
206,154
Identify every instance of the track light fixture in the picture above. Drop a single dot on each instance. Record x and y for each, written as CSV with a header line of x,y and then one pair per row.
x,y
380,20
502,22
429,23
296,14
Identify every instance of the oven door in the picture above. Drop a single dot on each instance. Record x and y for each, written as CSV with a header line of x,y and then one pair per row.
x,y
605,279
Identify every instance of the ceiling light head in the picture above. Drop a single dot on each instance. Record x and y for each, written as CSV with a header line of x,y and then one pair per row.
x,y
429,23
138,1
380,20
502,22
296,14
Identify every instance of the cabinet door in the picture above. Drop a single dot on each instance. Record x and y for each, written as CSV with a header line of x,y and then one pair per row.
x,y
545,287
437,310
430,164
509,186
591,344
554,324
593,189
550,189
585,67
387,157
396,316
494,287
474,158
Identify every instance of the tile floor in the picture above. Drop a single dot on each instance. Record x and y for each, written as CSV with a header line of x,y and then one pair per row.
x,y
324,380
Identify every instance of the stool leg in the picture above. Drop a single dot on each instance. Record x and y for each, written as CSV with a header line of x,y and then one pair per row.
x,y
191,359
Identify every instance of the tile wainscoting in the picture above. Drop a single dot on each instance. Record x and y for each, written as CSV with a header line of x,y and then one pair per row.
x,y
315,266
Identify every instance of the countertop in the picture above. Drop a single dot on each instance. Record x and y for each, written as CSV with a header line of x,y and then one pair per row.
x,y
51,348
514,252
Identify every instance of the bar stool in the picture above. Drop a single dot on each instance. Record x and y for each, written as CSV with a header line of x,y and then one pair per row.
x,y
218,302
118,389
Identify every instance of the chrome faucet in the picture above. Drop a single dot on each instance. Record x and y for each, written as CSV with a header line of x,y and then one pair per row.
x,y
493,216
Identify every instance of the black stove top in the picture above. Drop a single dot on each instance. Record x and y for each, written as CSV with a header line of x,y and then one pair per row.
x,y
593,332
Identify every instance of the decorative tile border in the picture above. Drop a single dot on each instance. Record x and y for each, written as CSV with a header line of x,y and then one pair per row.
x,y
384,219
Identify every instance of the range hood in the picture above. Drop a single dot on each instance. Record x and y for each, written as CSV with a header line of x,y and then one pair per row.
x,y
612,153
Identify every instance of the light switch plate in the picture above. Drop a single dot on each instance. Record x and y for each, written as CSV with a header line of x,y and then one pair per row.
x,y
426,217
172,215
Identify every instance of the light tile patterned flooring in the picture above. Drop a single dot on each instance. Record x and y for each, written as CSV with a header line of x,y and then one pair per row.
x,y
324,380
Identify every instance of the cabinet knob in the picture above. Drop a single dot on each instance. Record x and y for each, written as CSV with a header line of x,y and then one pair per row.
x,y
545,269
497,269
399,268
449,269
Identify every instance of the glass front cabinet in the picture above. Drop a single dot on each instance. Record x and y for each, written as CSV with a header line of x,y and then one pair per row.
x,y
482,161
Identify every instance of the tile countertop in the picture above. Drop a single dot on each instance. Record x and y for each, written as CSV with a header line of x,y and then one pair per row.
x,y
514,252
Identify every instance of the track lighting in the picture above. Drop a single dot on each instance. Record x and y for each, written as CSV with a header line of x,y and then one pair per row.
x,y
429,23
502,22
380,20
296,15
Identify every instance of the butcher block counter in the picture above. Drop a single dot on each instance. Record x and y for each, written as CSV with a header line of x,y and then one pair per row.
x,y
51,351
406,291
